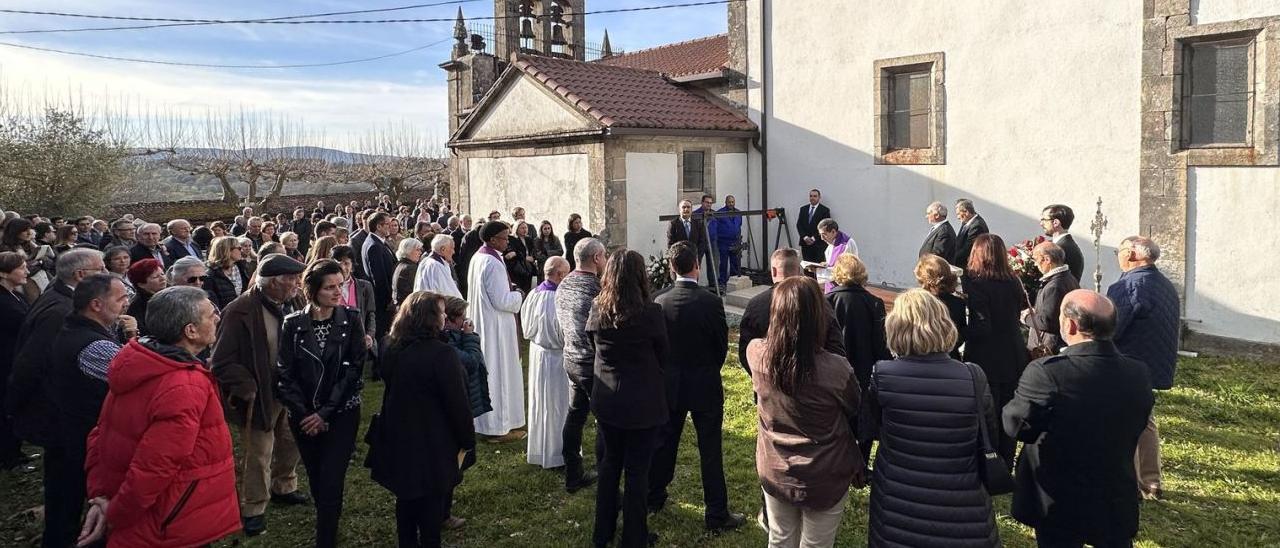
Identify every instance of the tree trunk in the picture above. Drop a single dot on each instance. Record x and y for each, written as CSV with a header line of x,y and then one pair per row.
x,y
229,195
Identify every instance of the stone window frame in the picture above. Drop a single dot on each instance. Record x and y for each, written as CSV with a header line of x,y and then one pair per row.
x,y
884,70
707,156
1263,146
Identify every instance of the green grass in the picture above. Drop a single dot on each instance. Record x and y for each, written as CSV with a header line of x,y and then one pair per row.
x,y
1222,481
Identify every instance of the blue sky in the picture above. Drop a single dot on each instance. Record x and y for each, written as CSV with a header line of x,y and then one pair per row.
x,y
340,101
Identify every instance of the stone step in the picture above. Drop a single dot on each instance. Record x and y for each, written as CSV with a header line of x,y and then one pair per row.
x,y
740,298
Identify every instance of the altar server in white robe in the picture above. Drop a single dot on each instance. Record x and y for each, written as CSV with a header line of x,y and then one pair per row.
x,y
493,306
435,271
548,383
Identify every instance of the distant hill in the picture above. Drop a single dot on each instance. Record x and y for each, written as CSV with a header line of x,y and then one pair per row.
x,y
150,180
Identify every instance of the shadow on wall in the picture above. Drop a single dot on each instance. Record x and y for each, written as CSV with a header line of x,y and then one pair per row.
x,y
886,219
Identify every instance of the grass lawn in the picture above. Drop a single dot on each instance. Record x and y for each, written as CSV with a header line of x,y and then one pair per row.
x,y
1222,481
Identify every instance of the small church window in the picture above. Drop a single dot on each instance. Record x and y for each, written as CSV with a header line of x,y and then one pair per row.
x,y
909,110
694,171
1218,93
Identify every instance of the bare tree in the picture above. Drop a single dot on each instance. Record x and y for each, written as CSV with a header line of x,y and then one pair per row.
x,y
395,161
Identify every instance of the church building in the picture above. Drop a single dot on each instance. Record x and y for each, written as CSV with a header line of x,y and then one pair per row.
x,y
540,119
1166,110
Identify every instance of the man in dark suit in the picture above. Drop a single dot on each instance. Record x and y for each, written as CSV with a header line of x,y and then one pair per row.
x,y
358,238
380,264
686,228
302,227
148,246
811,244
972,225
1056,282
699,338
1079,415
1056,221
783,264
179,243
941,240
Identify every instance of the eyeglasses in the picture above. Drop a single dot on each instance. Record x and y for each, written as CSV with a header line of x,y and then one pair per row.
x,y
1046,220
196,280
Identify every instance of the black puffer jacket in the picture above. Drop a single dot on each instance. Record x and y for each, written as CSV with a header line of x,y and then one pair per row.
x,y
925,489
219,287
326,381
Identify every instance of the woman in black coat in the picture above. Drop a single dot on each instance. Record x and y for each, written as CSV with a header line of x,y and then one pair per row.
x,y
408,253
921,406
934,275
571,238
995,342
521,264
859,316
628,397
13,311
228,276
321,358
546,245
425,422
148,278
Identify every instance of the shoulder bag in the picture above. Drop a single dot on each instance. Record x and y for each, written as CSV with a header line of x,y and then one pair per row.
x,y
992,470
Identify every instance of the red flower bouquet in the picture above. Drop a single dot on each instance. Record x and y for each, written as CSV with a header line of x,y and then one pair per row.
x,y
1025,268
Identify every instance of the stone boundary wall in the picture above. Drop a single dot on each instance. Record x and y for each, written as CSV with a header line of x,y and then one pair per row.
x,y
206,211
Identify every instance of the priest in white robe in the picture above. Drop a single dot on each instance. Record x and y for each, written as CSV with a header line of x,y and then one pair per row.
x,y
548,383
493,306
435,271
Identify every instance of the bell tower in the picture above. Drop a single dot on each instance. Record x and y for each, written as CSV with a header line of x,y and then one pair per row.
x,y
555,28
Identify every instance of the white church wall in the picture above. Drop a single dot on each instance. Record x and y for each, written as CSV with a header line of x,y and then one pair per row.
x,y
526,108
1042,106
504,183
1231,212
1216,11
651,190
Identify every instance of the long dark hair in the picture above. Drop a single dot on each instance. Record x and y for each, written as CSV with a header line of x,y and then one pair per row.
x,y
418,318
797,327
12,230
624,289
989,260
547,237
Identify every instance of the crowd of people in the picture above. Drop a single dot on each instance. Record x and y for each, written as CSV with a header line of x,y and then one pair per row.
x,y
129,358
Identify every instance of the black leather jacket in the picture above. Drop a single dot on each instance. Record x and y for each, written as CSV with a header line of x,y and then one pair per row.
x,y
325,382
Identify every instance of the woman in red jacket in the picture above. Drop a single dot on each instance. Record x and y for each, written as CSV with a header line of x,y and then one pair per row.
x,y
159,465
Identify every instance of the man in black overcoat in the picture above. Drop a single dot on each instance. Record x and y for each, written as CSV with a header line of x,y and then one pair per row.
x,y
972,225
941,240
811,244
1056,221
686,228
1079,415
699,338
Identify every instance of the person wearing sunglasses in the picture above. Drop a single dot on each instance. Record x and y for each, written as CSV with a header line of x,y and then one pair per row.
x,y
188,271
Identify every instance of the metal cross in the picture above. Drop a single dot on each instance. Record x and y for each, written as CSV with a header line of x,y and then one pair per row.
x,y
1097,227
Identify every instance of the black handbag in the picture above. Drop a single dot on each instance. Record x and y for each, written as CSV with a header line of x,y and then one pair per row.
x,y
992,470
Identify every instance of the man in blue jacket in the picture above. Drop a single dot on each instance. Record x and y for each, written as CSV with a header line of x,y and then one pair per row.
x,y
1147,325
727,231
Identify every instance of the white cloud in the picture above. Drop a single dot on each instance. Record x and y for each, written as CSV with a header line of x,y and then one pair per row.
x,y
338,107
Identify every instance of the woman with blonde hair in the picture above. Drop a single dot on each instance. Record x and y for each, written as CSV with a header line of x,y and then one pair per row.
x,y
228,275
934,275
291,241
859,316
322,248
807,398
921,408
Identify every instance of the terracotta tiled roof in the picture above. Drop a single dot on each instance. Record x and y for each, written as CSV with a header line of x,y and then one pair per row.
x,y
698,56
620,97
